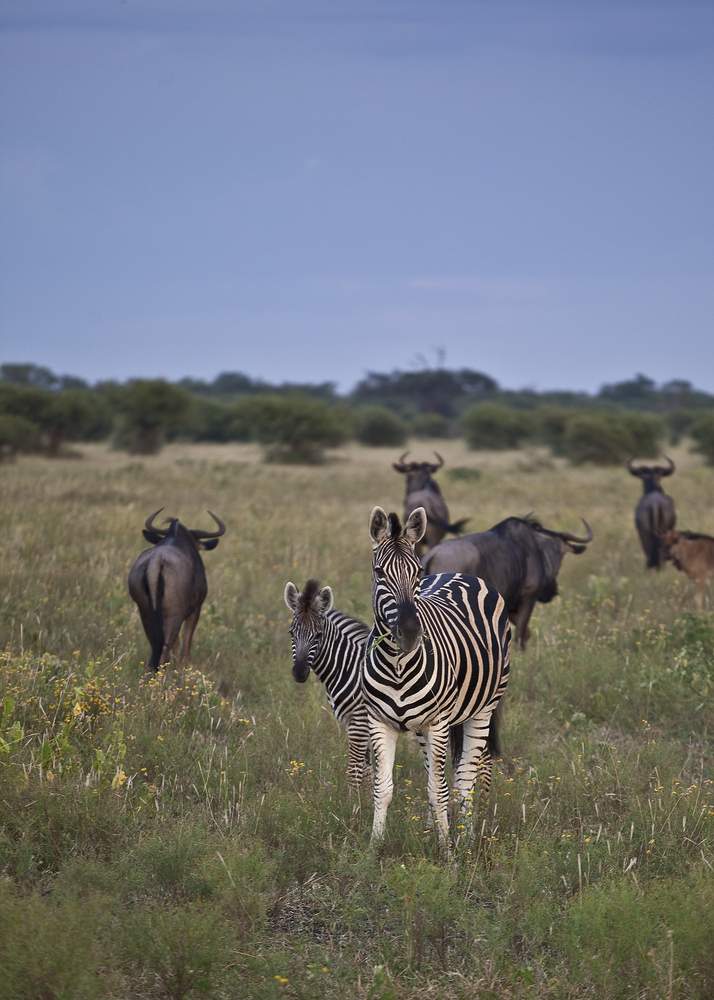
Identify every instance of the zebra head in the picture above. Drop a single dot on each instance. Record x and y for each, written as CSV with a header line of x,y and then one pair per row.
x,y
395,575
309,609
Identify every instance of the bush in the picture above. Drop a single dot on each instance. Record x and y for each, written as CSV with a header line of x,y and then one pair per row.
x,y
297,428
702,431
150,409
551,424
431,425
611,438
378,426
17,434
495,427
208,420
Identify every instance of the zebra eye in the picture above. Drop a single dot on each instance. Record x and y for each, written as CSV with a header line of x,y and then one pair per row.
x,y
379,571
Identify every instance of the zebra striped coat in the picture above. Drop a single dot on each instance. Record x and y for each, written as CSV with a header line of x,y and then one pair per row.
x,y
332,645
437,658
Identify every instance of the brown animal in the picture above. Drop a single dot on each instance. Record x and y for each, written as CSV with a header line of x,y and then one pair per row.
x,y
655,514
423,491
168,584
694,555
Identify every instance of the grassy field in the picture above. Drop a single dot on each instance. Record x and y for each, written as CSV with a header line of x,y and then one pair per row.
x,y
192,834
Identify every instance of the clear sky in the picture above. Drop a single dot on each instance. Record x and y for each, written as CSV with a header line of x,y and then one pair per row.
x,y
305,190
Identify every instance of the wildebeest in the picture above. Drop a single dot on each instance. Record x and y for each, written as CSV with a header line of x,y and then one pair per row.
x,y
168,583
655,514
423,491
518,556
332,645
694,555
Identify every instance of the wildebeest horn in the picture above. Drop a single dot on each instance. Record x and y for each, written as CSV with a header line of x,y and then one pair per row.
x,y
441,461
197,533
567,537
666,472
149,524
633,469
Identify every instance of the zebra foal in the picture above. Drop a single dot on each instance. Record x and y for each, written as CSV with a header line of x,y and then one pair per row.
x,y
332,645
437,659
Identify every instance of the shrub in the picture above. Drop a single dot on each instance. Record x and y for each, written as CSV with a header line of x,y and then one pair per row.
x,y
492,426
702,431
551,423
149,409
611,438
17,434
431,425
378,426
296,428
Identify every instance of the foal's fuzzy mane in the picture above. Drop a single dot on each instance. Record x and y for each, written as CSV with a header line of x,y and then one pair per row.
x,y
308,595
395,526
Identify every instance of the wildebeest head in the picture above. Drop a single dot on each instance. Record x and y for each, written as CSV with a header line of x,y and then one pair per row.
x,y
205,540
309,609
552,546
395,574
419,474
651,475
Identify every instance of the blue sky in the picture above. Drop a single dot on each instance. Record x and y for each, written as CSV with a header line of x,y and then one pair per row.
x,y
307,190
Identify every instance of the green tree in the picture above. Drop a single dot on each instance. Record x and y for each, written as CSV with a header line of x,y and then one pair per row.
x,y
611,438
17,434
380,427
149,410
495,427
702,432
294,428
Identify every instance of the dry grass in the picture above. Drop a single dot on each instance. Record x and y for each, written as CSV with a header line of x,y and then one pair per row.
x,y
207,811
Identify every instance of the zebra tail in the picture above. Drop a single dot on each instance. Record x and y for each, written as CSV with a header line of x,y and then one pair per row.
x,y
456,738
156,620
493,743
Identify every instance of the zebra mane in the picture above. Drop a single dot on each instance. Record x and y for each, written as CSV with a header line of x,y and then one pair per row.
x,y
394,529
308,595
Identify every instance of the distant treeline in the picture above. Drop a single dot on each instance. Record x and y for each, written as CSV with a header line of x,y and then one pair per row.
x,y
44,412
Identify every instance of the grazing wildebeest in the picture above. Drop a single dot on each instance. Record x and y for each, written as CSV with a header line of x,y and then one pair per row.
x,y
518,557
694,555
332,645
655,514
436,662
168,583
423,491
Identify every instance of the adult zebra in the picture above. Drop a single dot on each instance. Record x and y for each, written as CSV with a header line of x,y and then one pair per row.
x,y
437,659
332,644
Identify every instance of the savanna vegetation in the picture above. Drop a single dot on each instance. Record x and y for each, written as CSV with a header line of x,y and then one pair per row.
x,y
43,413
191,834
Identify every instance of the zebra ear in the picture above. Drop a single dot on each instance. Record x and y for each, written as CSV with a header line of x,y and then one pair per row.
x,y
291,596
415,527
378,523
324,600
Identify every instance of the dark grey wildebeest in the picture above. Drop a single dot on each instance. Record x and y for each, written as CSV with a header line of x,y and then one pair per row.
x,y
423,491
518,556
655,514
168,583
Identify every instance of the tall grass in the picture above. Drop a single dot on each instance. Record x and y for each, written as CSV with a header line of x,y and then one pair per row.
x,y
193,833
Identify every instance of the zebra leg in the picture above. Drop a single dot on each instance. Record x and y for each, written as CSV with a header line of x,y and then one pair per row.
x,y
475,763
384,743
358,758
437,742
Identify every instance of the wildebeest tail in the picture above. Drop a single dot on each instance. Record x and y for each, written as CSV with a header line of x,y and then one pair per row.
x,y
457,528
156,619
